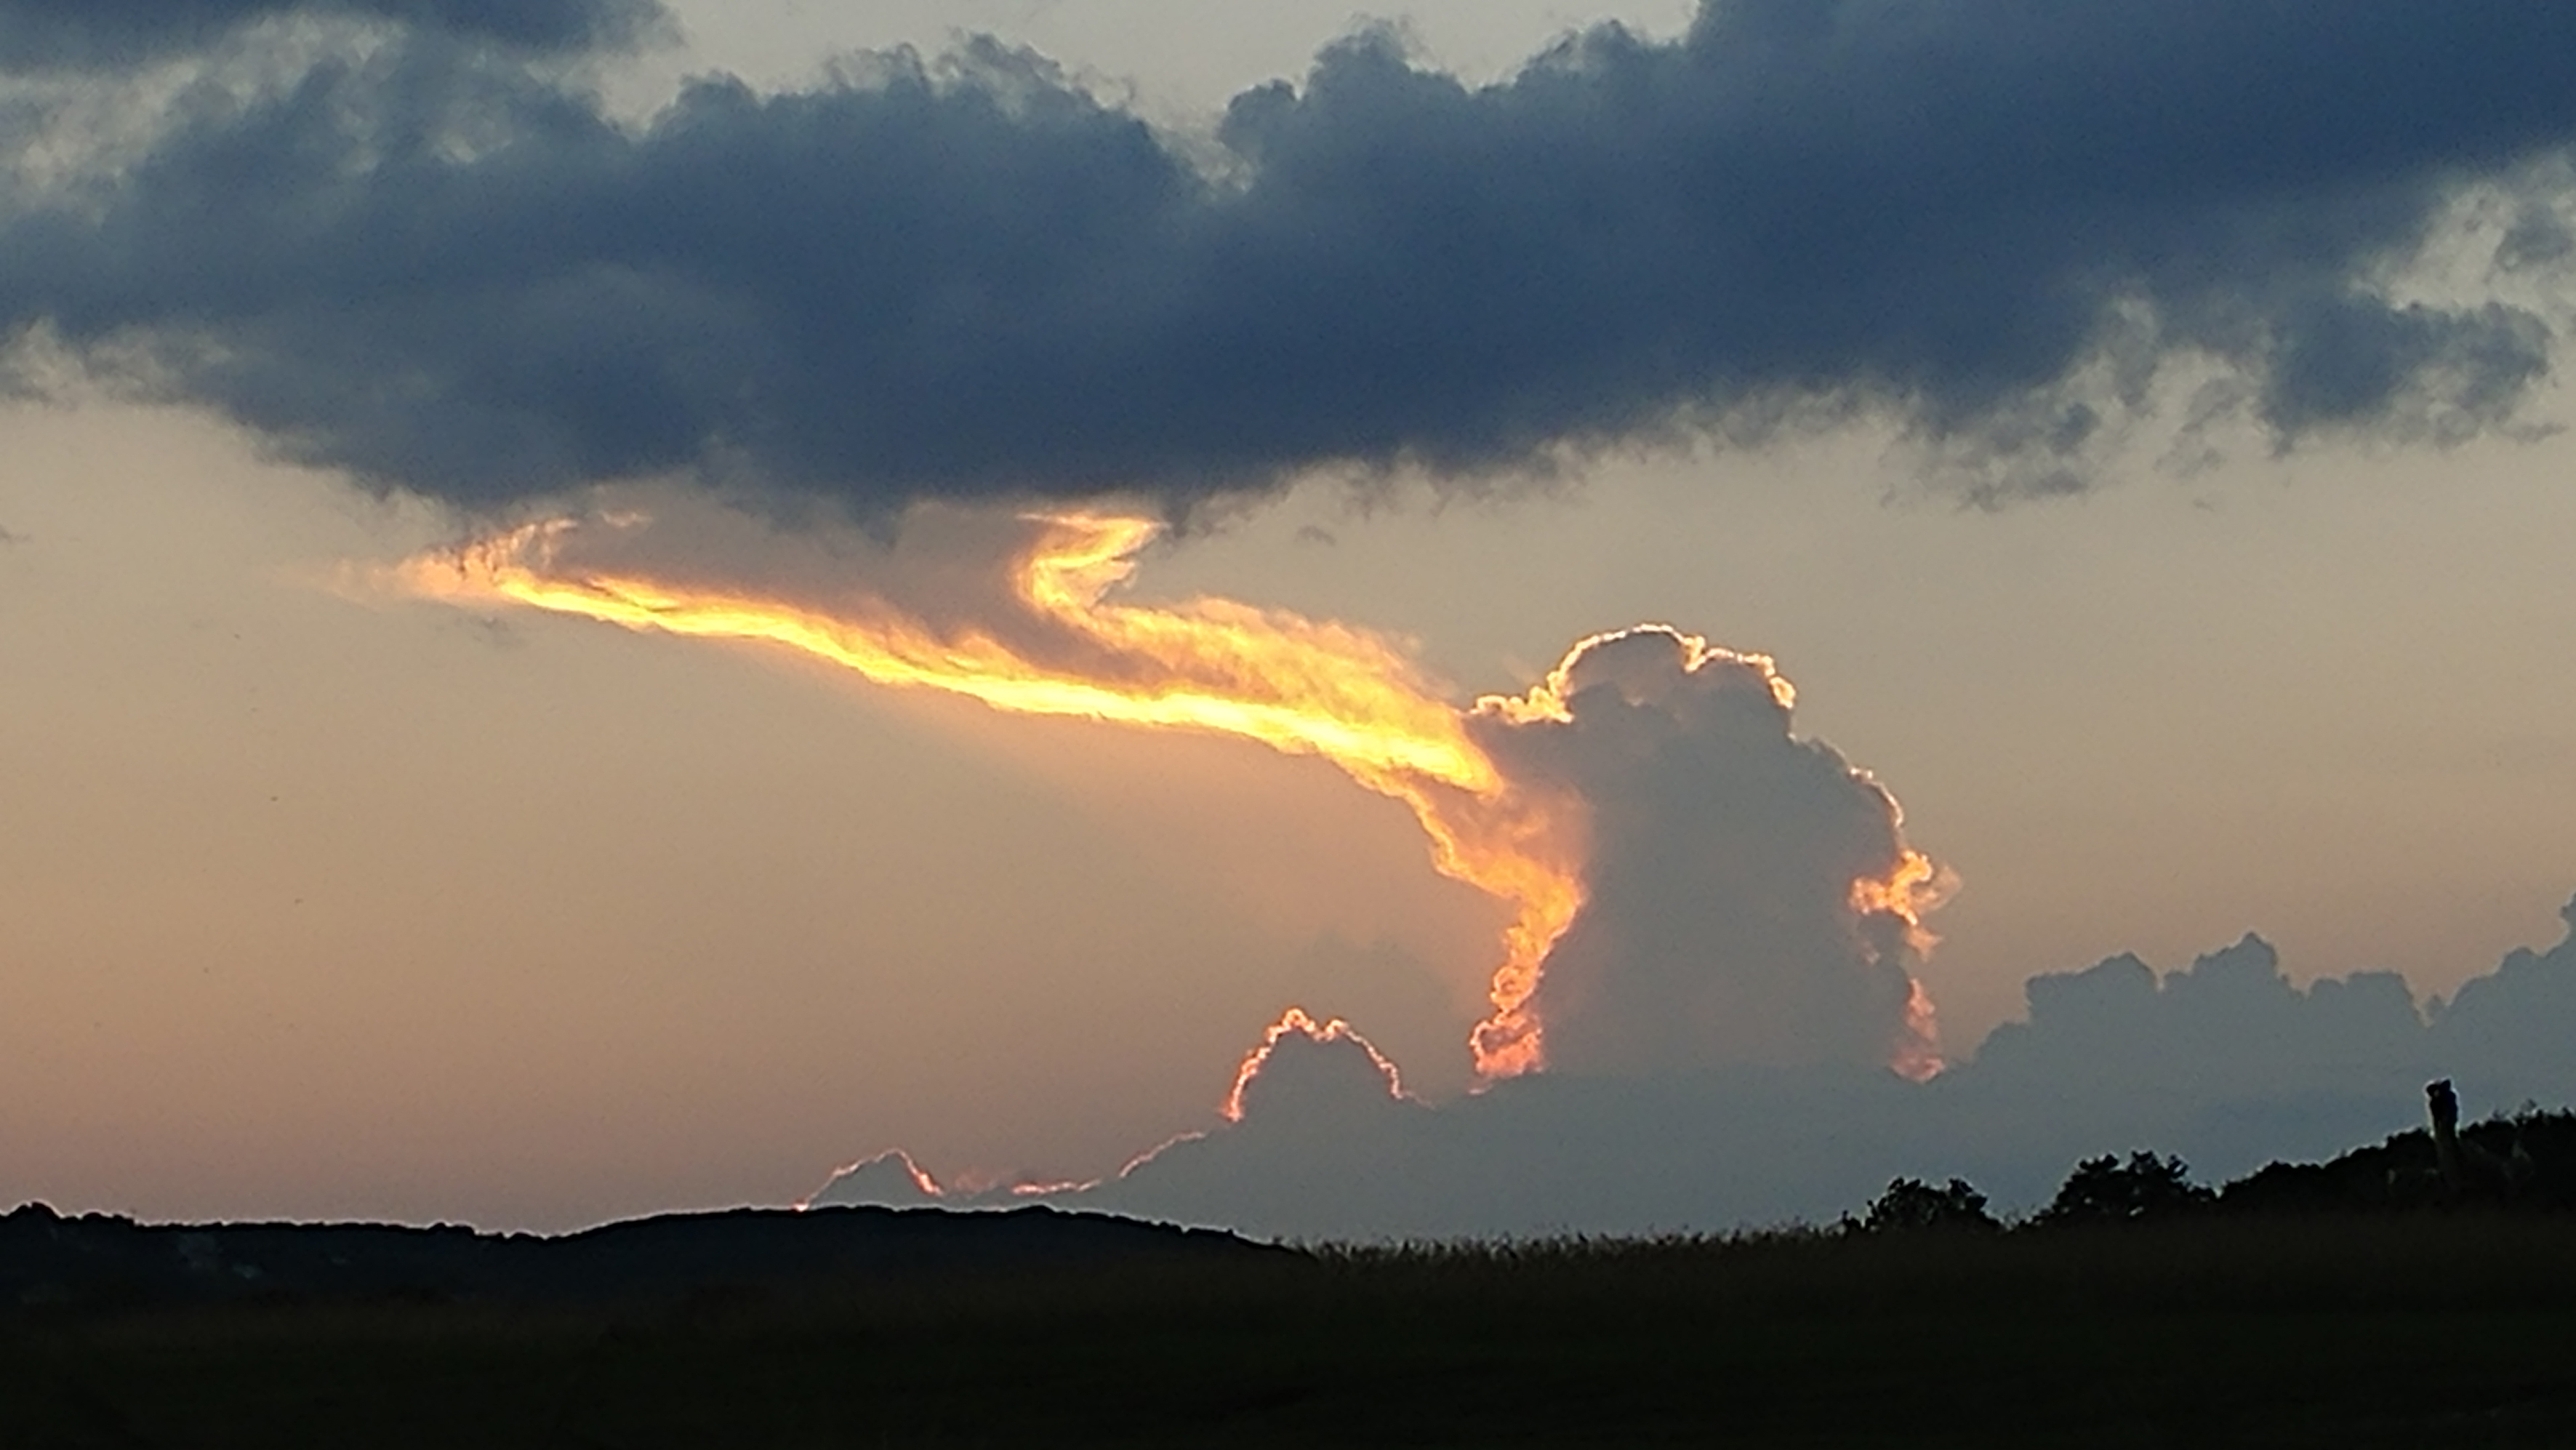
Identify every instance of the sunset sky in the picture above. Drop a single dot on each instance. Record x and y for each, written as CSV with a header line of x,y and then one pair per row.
x,y
322,899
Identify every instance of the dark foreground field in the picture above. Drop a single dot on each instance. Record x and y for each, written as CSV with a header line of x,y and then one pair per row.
x,y
2428,1329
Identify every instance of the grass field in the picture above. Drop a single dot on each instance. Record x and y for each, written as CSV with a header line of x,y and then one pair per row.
x,y
2423,1329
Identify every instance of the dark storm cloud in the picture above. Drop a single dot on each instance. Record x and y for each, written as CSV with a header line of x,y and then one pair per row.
x,y
91,34
1991,218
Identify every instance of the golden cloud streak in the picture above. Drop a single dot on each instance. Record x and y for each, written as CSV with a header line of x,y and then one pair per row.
x,y
1296,685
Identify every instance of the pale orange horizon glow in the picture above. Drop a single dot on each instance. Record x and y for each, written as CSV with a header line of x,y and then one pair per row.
x,y
1296,685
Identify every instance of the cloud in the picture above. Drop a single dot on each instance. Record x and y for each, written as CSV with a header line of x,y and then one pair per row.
x,y
2230,1065
1692,885
2229,1023
890,1179
2504,1036
1727,989
100,34
1993,220
1720,925
2224,1063
1322,1071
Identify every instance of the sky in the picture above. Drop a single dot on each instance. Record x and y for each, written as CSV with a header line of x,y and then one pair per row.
x,y
2140,441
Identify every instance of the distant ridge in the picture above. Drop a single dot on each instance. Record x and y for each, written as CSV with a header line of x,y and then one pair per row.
x,y
94,1258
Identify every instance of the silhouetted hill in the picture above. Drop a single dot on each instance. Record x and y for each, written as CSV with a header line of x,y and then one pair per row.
x,y
101,1259
2359,1301
2340,1330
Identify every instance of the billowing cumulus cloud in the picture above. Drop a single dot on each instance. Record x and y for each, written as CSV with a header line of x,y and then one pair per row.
x,y
1720,925
1992,220
87,34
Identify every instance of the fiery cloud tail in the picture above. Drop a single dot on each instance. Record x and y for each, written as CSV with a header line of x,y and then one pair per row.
x,y
1911,891
1297,685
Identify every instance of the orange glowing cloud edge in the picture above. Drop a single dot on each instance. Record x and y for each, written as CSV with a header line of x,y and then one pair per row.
x,y
965,1186
921,1180
1296,685
1296,1020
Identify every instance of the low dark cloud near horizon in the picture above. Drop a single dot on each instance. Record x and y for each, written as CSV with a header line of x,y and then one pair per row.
x,y
2225,1063
964,277
100,34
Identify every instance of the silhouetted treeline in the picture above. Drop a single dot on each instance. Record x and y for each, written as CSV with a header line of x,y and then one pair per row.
x,y
2536,1149
2519,1162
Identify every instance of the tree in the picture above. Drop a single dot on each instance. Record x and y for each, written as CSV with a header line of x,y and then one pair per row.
x,y
1910,1203
2106,1190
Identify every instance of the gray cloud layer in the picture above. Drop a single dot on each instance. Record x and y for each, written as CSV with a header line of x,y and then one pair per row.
x,y
966,278
2225,1063
86,34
